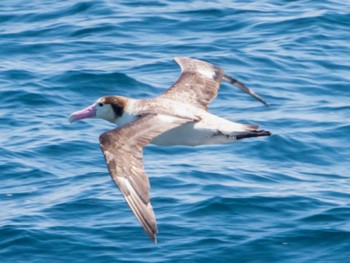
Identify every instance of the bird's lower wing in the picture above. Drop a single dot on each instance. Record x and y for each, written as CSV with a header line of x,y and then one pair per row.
x,y
123,151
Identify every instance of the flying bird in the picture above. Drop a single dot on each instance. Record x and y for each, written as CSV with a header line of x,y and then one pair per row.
x,y
178,116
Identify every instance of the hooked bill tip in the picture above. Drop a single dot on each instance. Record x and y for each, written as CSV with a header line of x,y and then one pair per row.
x,y
71,119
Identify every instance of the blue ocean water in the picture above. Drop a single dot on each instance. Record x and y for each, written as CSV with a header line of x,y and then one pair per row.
x,y
285,198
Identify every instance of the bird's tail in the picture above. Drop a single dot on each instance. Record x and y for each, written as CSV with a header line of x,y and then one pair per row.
x,y
251,134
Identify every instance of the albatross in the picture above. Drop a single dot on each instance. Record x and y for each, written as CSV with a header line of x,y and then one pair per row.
x,y
178,116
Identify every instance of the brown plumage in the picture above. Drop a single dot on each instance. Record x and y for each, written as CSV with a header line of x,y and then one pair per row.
x,y
198,84
123,150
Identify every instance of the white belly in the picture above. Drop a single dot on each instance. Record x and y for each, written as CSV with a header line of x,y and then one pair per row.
x,y
211,130
183,135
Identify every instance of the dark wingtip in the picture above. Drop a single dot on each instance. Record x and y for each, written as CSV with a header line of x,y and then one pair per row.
x,y
153,236
244,88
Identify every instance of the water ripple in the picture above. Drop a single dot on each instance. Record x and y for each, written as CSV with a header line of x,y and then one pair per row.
x,y
266,200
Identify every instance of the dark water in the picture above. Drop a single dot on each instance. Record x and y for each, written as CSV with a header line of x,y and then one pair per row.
x,y
279,199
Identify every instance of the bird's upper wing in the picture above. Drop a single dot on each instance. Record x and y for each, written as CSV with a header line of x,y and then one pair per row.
x,y
123,150
198,83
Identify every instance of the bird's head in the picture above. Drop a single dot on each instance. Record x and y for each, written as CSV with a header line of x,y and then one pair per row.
x,y
109,108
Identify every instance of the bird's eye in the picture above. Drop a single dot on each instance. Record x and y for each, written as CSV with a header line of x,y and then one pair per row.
x,y
100,104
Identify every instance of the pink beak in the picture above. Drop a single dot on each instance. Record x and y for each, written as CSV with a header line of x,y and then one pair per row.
x,y
89,112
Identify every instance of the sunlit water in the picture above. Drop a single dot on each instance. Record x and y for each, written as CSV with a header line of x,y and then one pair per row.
x,y
279,199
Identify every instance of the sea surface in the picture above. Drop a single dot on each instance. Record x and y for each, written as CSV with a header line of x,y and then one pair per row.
x,y
284,198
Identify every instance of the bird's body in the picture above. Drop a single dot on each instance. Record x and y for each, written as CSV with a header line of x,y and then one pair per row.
x,y
206,128
179,116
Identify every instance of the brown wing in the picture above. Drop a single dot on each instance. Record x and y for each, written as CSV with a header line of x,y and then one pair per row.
x,y
123,150
198,84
